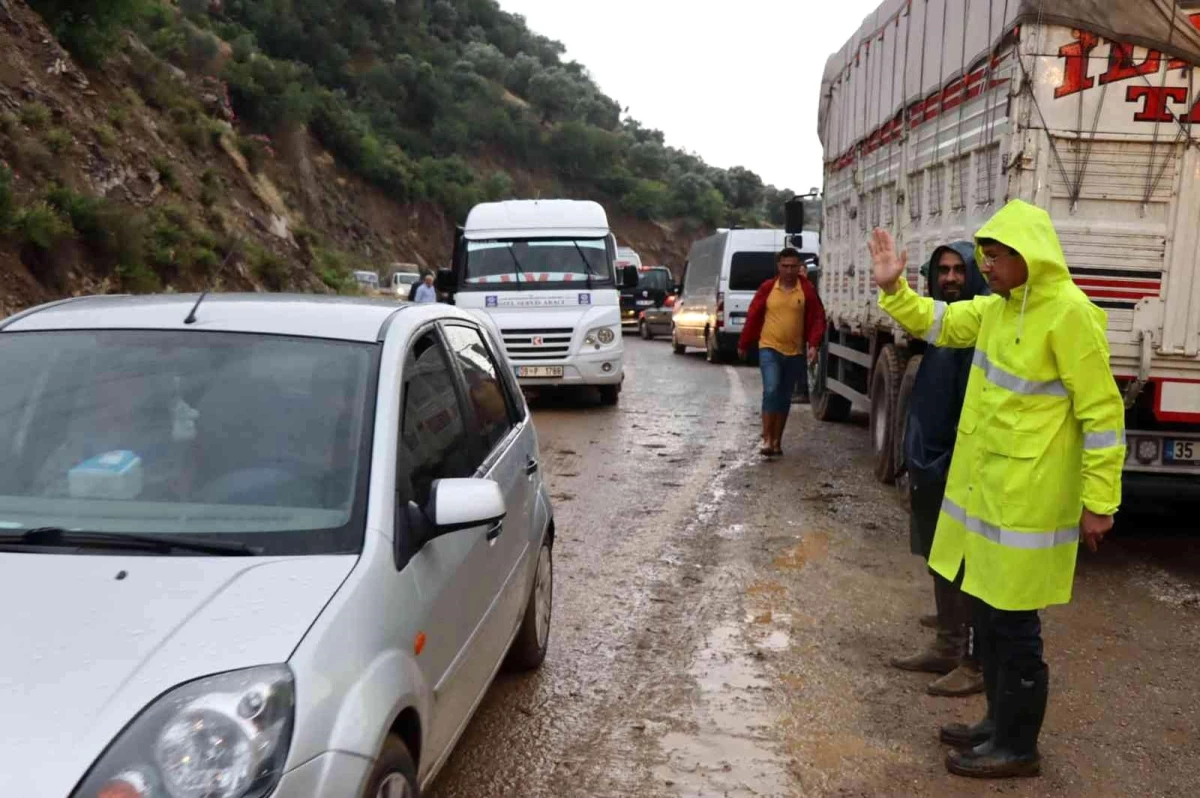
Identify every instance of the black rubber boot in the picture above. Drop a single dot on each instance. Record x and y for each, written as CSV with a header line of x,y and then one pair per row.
x,y
961,735
1012,751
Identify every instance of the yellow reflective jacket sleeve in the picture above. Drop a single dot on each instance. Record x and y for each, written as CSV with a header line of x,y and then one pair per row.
x,y
1080,348
954,325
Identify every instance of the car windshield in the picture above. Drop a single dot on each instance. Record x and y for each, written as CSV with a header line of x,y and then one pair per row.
x,y
655,280
749,270
534,264
256,439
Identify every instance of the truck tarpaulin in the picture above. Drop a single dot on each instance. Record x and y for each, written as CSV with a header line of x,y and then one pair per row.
x,y
945,37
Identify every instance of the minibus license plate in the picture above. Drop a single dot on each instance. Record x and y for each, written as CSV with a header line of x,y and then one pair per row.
x,y
539,371
1181,452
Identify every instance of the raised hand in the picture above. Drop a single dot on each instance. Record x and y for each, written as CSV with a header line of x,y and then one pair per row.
x,y
887,266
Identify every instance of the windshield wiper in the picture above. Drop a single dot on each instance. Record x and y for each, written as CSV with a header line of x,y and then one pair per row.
x,y
587,266
516,262
54,536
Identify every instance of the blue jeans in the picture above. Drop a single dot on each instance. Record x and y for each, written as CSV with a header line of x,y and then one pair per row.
x,y
779,375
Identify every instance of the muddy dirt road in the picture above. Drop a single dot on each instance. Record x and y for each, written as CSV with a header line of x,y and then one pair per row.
x,y
722,625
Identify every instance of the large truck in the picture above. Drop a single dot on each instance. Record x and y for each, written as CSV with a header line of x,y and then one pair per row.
x,y
544,271
937,112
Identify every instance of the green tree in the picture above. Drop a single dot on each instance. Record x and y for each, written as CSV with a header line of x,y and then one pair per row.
x,y
553,92
521,71
648,160
487,60
582,152
647,200
747,188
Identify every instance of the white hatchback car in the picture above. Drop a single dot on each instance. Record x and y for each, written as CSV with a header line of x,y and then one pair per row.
x,y
258,545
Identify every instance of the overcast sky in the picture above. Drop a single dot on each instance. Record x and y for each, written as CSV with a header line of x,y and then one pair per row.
x,y
737,85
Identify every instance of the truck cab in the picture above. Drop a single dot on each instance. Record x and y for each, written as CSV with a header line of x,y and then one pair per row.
x,y
545,272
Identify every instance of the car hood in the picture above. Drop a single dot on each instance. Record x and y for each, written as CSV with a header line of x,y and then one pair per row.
x,y
90,641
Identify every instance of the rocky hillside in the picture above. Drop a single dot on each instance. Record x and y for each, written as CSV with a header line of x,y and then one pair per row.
x,y
171,149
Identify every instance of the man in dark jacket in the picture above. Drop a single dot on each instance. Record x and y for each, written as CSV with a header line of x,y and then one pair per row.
x,y
934,407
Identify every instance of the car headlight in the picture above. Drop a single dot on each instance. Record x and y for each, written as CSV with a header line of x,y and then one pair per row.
x,y
600,336
224,736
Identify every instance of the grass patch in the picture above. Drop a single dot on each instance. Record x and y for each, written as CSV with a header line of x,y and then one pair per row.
x,y
118,116
42,225
138,278
271,269
8,123
35,115
205,260
58,140
166,172
105,134
8,203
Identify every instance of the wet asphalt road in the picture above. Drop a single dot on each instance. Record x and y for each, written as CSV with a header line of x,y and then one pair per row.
x,y
721,625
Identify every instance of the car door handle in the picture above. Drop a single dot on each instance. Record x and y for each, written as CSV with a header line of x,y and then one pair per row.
x,y
531,467
494,530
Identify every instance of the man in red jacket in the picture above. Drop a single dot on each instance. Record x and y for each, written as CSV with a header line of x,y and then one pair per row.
x,y
784,316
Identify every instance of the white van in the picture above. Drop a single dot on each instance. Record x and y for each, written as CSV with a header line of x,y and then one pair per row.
x,y
544,270
719,280
626,256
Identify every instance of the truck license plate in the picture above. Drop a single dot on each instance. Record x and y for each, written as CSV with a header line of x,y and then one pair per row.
x,y
539,371
1180,452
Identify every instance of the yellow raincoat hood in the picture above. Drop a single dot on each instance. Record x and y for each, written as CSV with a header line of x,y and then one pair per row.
x,y
1041,435
1028,229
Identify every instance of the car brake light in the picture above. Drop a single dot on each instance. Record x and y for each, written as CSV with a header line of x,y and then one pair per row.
x,y
669,303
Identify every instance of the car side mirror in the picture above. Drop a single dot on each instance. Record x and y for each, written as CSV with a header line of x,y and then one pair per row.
x,y
458,504
628,277
454,505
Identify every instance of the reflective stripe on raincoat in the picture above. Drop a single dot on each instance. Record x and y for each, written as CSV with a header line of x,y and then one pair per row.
x,y
1042,432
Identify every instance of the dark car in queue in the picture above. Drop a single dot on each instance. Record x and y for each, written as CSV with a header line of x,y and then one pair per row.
x,y
653,322
655,284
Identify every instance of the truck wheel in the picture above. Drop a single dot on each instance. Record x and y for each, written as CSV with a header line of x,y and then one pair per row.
x,y
712,351
827,405
677,347
903,403
610,394
885,389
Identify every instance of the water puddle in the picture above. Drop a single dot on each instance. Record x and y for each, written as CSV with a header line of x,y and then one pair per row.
x,y
770,631
731,753
814,547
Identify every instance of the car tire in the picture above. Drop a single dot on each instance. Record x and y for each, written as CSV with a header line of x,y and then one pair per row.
x,y
394,774
610,394
677,347
712,350
885,390
644,330
529,647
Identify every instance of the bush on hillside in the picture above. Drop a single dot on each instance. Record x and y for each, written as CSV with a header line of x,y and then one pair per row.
x,y
8,204
647,200
89,29
42,226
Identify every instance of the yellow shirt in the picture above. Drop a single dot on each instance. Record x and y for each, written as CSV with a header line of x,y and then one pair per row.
x,y
783,328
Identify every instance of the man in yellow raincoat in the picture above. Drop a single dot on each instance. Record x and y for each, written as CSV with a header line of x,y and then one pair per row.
x,y
1036,466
